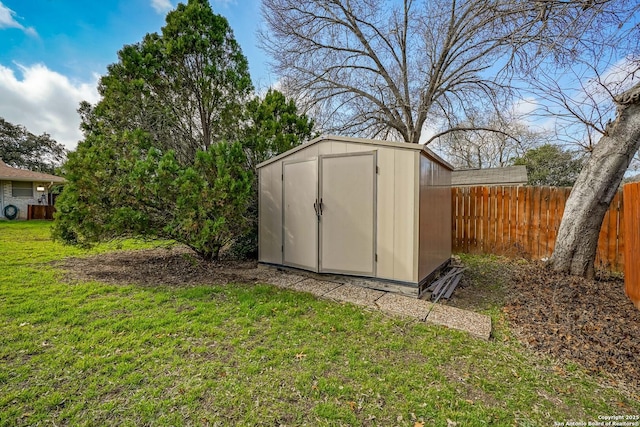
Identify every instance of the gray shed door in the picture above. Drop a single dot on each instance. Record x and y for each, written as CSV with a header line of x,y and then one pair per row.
x,y
300,223
347,220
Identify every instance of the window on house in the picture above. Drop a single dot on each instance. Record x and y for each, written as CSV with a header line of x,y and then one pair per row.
x,y
21,189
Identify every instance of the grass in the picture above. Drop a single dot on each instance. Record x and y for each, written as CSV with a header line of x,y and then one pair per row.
x,y
98,354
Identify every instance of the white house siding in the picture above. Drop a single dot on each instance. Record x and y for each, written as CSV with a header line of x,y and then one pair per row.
x,y
22,203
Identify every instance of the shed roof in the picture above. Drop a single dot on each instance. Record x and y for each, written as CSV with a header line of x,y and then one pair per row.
x,y
9,173
510,175
374,142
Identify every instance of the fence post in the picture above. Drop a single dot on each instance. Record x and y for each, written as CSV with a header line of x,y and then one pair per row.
x,y
631,206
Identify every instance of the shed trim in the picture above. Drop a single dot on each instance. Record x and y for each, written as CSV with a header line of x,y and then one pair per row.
x,y
401,145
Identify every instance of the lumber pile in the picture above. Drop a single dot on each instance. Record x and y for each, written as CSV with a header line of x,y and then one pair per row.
x,y
444,286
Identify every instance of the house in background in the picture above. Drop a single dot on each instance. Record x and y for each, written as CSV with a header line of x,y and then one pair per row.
x,y
507,176
20,188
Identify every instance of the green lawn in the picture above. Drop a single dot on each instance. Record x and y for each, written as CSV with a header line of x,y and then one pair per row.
x,y
97,354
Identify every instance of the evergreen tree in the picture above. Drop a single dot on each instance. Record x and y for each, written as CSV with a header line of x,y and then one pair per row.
x,y
157,160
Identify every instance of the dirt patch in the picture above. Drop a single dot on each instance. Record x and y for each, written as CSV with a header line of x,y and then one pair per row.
x,y
175,266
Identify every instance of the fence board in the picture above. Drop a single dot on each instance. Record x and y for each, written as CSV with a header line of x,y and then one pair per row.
x,y
632,241
552,220
486,217
512,211
535,228
493,201
622,229
612,233
602,252
545,200
614,211
521,221
524,221
498,215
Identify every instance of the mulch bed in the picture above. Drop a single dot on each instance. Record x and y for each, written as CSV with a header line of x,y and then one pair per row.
x,y
589,322
175,266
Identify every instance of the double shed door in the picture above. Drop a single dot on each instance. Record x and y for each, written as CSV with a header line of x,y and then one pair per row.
x,y
329,213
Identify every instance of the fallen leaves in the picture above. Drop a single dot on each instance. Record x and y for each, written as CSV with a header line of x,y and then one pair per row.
x,y
589,322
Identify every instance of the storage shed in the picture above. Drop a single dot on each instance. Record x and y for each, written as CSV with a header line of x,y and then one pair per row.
x,y
359,207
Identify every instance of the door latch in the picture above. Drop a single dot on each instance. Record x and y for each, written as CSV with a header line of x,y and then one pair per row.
x,y
317,206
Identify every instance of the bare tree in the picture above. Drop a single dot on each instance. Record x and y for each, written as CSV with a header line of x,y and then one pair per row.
x,y
391,69
598,182
388,69
492,141
586,69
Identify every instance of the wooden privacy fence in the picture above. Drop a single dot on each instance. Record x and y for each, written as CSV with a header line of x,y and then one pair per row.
x,y
632,242
524,221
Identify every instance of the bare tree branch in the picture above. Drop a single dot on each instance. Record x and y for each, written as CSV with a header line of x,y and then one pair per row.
x,y
400,59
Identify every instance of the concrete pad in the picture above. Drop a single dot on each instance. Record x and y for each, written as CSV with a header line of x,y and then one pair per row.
x,y
315,287
382,285
383,296
476,324
282,280
404,306
355,295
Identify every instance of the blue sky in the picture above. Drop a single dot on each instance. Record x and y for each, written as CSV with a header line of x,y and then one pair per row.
x,y
54,51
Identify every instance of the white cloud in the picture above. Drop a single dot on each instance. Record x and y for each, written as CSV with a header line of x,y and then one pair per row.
x,y
616,79
225,3
161,6
525,106
43,100
7,20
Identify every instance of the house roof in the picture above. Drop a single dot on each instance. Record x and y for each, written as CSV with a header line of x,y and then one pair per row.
x,y
7,173
374,142
511,175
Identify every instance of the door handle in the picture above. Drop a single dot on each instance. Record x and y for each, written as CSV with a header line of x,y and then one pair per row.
x,y
318,208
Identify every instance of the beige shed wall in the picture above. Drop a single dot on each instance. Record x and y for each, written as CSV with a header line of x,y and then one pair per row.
x,y
270,214
404,218
435,216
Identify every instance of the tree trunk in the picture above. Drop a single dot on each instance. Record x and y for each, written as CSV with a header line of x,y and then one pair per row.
x,y
597,184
